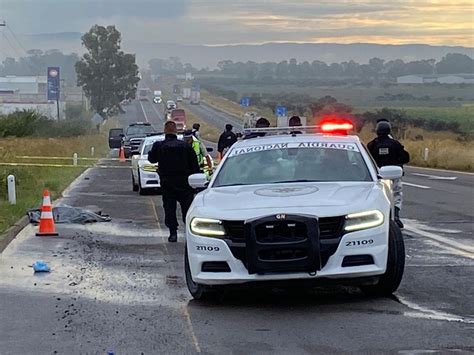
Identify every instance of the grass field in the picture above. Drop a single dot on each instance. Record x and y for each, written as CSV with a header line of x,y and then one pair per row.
x,y
208,132
464,115
30,181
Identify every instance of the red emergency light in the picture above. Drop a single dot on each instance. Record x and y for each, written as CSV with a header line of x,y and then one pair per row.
x,y
336,126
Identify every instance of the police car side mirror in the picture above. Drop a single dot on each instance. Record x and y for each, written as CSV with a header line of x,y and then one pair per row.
x,y
198,181
390,172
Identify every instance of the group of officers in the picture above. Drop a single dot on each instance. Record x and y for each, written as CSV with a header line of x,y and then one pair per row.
x,y
178,159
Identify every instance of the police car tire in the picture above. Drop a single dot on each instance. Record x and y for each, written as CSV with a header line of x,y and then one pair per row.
x,y
389,282
134,184
198,291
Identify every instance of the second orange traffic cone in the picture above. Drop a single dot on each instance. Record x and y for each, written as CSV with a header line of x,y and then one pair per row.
x,y
122,154
46,225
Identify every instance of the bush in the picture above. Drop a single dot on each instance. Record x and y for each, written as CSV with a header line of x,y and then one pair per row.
x,y
31,123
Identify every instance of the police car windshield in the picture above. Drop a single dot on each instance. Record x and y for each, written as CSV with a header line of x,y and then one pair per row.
x,y
131,130
294,164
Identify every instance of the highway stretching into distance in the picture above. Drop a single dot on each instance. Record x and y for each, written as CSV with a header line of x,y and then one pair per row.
x,y
120,285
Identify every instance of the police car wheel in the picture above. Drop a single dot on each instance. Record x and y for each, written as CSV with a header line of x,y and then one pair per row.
x,y
389,282
134,184
198,291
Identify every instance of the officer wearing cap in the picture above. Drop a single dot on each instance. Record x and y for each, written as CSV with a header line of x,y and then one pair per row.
x,y
176,161
387,151
226,140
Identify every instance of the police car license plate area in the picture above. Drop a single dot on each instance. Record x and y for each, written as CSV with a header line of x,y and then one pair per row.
x,y
282,243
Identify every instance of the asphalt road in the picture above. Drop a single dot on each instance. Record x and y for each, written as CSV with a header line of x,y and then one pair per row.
x,y
120,286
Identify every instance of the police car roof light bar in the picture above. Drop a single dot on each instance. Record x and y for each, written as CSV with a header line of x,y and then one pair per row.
x,y
283,130
326,127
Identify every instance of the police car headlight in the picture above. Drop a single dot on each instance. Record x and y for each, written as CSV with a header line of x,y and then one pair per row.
x,y
363,220
207,227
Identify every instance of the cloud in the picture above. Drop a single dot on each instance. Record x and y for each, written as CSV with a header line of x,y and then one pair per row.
x,y
253,21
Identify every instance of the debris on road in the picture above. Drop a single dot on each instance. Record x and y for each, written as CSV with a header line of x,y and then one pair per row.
x,y
69,214
41,266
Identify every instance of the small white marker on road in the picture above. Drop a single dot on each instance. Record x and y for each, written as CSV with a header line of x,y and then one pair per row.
x,y
92,151
426,153
74,159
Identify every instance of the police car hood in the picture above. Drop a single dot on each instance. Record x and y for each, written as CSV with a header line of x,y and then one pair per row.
x,y
290,196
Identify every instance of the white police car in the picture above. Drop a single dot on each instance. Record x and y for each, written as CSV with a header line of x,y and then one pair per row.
x,y
295,207
144,175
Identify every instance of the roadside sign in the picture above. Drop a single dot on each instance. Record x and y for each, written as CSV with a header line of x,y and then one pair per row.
x,y
53,83
245,102
280,111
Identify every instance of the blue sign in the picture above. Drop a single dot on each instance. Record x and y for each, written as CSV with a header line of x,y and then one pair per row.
x,y
245,102
53,83
280,111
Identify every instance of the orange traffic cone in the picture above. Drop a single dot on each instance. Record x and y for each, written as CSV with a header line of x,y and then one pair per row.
x,y
122,155
46,226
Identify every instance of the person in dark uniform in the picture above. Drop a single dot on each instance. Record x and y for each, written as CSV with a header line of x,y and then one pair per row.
x,y
262,122
176,161
295,121
226,140
196,128
387,151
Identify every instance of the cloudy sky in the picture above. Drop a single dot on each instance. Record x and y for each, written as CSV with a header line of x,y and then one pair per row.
x,y
448,22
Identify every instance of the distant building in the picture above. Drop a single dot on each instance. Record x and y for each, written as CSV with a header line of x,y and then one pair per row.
x,y
24,84
438,78
18,93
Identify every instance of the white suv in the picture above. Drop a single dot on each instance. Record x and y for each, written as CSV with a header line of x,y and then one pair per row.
x,y
307,207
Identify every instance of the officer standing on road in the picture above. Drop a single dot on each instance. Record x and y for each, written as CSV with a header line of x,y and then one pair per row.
x,y
226,140
176,161
387,151
196,127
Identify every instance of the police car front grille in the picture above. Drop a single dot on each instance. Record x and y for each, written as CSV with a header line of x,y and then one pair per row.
x,y
330,232
329,228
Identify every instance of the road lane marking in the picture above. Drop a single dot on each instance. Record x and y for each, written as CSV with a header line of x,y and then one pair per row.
x,y
439,170
435,177
187,316
184,310
426,313
415,185
157,113
143,110
416,228
153,207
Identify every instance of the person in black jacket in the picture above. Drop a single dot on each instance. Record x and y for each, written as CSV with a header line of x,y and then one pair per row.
x,y
176,161
387,151
226,140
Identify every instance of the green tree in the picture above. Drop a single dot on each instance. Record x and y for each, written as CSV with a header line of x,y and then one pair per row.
x,y
106,74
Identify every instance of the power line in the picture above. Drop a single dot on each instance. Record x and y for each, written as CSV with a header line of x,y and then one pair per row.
x,y
11,45
16,39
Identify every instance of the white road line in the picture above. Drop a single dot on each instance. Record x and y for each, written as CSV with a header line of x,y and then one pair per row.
x,y
435,177
440,170
412,226
143,110
157,113
415,185
426,313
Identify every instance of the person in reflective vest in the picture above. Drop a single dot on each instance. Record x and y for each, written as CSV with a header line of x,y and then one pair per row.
x,y
201,152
